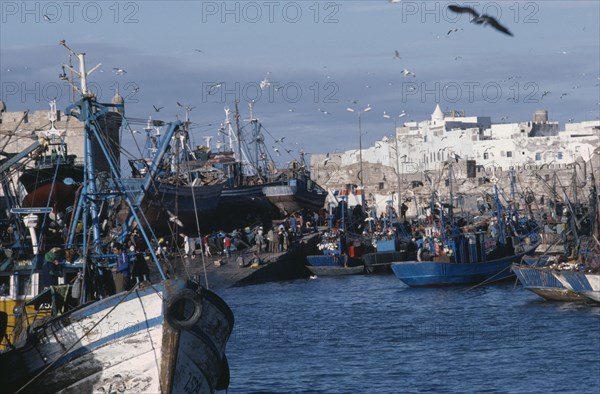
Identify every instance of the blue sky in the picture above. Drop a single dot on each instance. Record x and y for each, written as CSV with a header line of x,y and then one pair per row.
x,y
319,56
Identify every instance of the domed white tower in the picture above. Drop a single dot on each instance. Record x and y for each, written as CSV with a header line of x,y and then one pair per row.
x,y
437,115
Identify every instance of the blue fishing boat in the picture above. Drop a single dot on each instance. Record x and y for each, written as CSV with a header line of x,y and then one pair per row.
x,y
468,255
164,337
335,246
392,243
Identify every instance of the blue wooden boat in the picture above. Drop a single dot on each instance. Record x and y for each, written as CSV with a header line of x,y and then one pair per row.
x,y
392,244
448,273
335,260
468,256
543,282
584,283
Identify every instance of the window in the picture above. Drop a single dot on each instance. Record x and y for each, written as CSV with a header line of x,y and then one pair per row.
x,y
23,284
538,156
508,153
559,155
381,185
486,155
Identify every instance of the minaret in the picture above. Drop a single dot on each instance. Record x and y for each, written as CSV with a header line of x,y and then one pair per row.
x,y
437,114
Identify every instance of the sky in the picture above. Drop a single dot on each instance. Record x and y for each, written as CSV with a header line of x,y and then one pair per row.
x,y
319,59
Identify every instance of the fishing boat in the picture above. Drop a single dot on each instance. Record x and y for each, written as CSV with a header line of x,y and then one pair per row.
x,y
166,337
582,282
392,243
340,252
556,273
296,191
544,282
468,255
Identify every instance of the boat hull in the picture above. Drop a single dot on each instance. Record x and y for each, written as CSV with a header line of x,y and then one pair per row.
x,y
433,273
293,197
380,262
188,203
585,284
335,271
541,281
150,340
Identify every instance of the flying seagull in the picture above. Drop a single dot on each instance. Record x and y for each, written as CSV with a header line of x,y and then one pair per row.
x,y
119,71
397,55
157,109
407,72
480,19
213,88
453,30
173,218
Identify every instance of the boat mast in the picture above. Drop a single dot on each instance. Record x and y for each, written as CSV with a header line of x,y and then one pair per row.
x,y
239,177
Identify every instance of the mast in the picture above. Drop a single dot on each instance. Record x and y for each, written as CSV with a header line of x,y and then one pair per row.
x,y
238,180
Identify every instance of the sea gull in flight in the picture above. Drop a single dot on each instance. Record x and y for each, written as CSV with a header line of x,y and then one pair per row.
x,y
157,109
119,71
480,19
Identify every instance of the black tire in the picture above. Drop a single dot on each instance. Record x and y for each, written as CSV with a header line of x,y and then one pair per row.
x,y
176,308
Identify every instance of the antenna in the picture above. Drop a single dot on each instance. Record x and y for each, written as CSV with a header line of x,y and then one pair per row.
x,y
82,73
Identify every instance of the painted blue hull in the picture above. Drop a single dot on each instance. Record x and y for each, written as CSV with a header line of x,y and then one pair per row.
x,y
431,273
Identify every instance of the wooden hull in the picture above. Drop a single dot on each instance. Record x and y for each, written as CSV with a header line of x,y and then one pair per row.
x,y
380,262
294,196
585,284
335,271
186,202
152,340
431,273
541,281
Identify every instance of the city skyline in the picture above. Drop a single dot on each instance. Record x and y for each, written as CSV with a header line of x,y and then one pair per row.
x,y
304,63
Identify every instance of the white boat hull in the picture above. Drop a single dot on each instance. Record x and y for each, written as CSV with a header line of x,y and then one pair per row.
x,y
132,343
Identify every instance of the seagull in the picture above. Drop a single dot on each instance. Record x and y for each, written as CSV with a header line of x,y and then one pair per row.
x,y
279,140
264,84
198,50
276,151
397,55
119,71
562,95
385,115
480,19
157,109
458,57
406,73
402,115
179,104
291,109
546,92
173,218
47,18
213,88
453,30
288,151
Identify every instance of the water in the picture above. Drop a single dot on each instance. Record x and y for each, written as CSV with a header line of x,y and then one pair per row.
x,y
369,334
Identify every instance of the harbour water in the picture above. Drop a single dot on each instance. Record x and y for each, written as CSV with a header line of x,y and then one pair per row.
x,y
370,334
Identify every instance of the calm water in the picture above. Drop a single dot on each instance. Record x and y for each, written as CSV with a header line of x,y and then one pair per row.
x,y
369,334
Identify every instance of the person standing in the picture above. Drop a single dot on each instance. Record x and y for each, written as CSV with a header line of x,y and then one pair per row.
x,y
122,268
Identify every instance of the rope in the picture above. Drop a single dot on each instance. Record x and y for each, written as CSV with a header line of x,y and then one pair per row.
x,y
43,371
150,337
487,280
